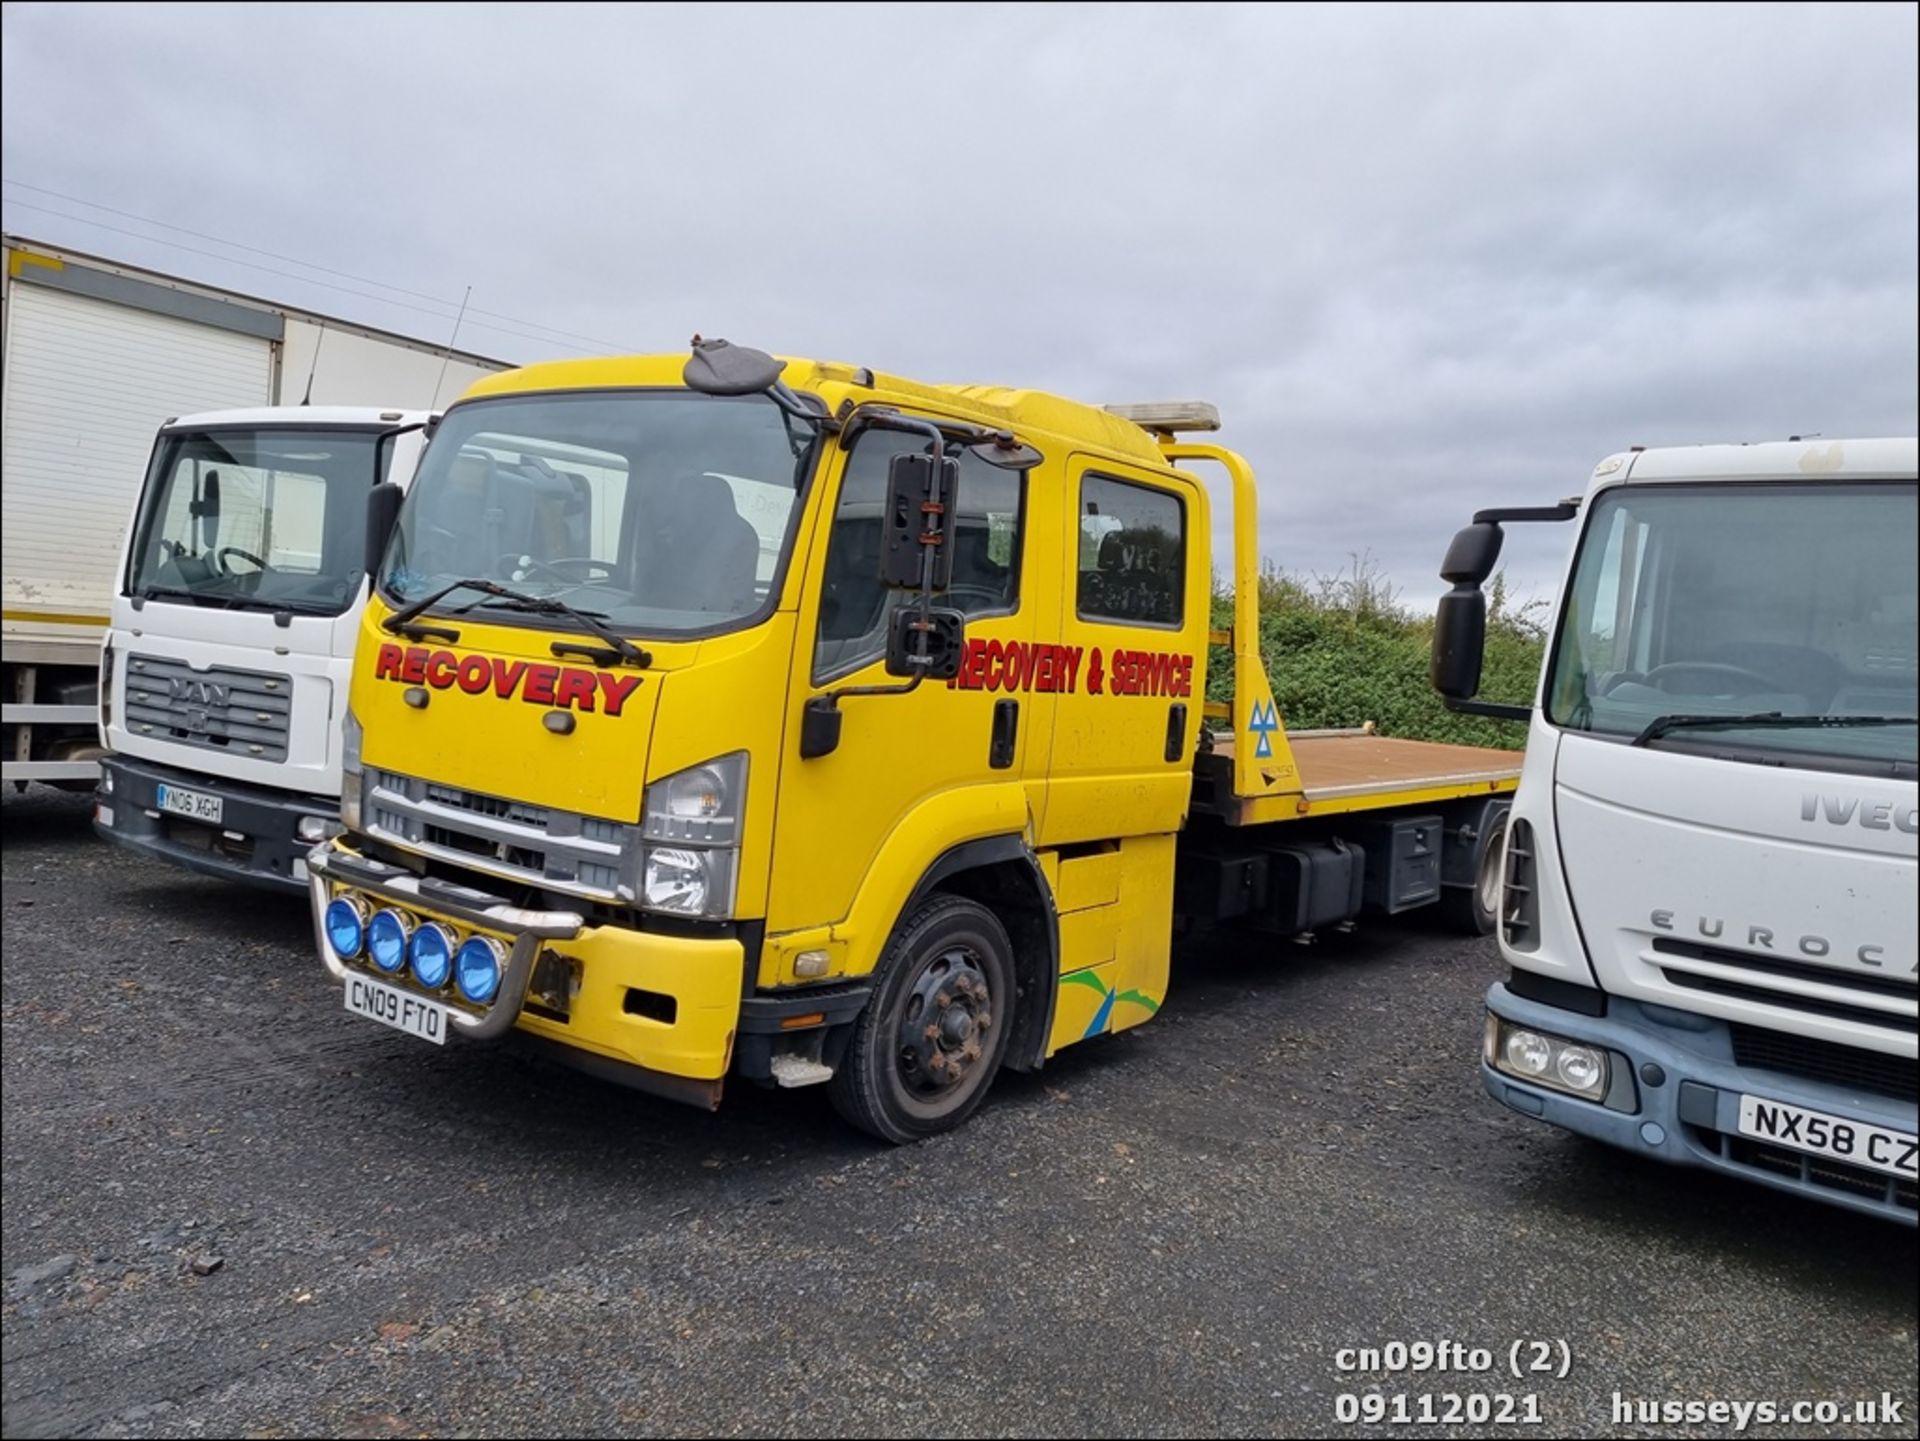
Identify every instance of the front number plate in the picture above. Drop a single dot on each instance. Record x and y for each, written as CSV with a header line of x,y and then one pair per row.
x,y
194,805
392,1006
1819,1134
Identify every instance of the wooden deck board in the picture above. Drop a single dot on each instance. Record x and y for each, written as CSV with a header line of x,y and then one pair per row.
x,y
1333,766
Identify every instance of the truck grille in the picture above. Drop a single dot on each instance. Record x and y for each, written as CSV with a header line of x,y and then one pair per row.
x,y
1519,891
1813,1060
1892,1195
1887,1003
553,849
242,713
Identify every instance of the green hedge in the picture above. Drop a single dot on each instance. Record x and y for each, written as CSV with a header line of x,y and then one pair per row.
x,y
1342,650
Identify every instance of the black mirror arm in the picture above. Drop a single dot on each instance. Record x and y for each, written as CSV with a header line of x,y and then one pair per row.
x,y
834,697
884,417
1497,710
789,400
1565,510
820,719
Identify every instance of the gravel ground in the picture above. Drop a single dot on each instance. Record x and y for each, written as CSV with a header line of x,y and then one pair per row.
x,y
231,1208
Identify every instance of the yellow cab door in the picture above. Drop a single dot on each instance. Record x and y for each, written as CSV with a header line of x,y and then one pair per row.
x,y
1134,561
912,774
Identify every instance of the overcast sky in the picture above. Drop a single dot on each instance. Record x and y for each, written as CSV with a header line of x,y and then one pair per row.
x,y
1424,260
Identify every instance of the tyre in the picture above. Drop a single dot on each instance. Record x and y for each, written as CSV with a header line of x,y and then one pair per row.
x,y
926,1048
1475,910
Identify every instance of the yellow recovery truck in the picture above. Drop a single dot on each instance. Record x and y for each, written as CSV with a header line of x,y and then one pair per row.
x,y
727,715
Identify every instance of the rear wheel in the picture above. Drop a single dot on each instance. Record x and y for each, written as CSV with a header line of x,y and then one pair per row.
x,y
928,1044
1475,910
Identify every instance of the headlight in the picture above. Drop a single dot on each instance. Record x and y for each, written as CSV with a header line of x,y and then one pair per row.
x,y
688,883
1546,1060
700,805
430,953
1528,1053
698,794
387,939
476,969
691,820
351,782
346,924
1578,1068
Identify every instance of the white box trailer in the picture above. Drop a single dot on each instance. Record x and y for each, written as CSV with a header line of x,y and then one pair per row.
x,y
94,357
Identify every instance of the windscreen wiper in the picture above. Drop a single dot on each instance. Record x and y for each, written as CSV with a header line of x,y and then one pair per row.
x,y
396,623
619,648
1773,720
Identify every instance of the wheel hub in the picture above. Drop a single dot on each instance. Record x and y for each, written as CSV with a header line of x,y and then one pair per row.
x,y
946,1011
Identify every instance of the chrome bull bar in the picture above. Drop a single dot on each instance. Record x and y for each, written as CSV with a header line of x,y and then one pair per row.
x,y
326,866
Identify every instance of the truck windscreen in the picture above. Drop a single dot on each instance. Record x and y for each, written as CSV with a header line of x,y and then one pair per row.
x,y
1793,604
266,519
659,512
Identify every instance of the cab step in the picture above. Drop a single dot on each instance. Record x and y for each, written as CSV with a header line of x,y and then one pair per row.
x,y
790,1070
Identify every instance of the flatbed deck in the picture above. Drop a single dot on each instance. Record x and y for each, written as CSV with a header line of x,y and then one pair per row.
x,y
1355,771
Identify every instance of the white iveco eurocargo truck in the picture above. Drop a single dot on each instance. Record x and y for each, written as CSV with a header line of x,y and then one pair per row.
x,y
1709,898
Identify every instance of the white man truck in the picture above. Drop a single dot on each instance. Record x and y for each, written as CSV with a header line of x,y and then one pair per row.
x,y
97,355
232,631
1709,887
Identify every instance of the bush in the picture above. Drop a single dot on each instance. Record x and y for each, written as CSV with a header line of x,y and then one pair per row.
x,y
1342,650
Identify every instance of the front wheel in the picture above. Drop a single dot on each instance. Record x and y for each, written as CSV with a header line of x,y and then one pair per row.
x,y
1475,910
926,1048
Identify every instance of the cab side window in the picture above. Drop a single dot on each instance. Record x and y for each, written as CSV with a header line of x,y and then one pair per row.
x,y
854,606
1133,554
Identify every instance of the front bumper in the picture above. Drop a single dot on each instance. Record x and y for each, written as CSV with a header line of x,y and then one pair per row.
x,y
1690,1118
654,1011
257,841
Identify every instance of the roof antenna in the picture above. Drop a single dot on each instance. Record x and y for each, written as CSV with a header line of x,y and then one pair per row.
x,y
447,354
319,341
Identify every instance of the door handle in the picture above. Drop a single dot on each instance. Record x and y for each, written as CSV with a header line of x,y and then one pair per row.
x,y
1006,726
1176,730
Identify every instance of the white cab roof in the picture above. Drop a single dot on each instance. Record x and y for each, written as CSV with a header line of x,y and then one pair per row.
x,y
1816,459
295,415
